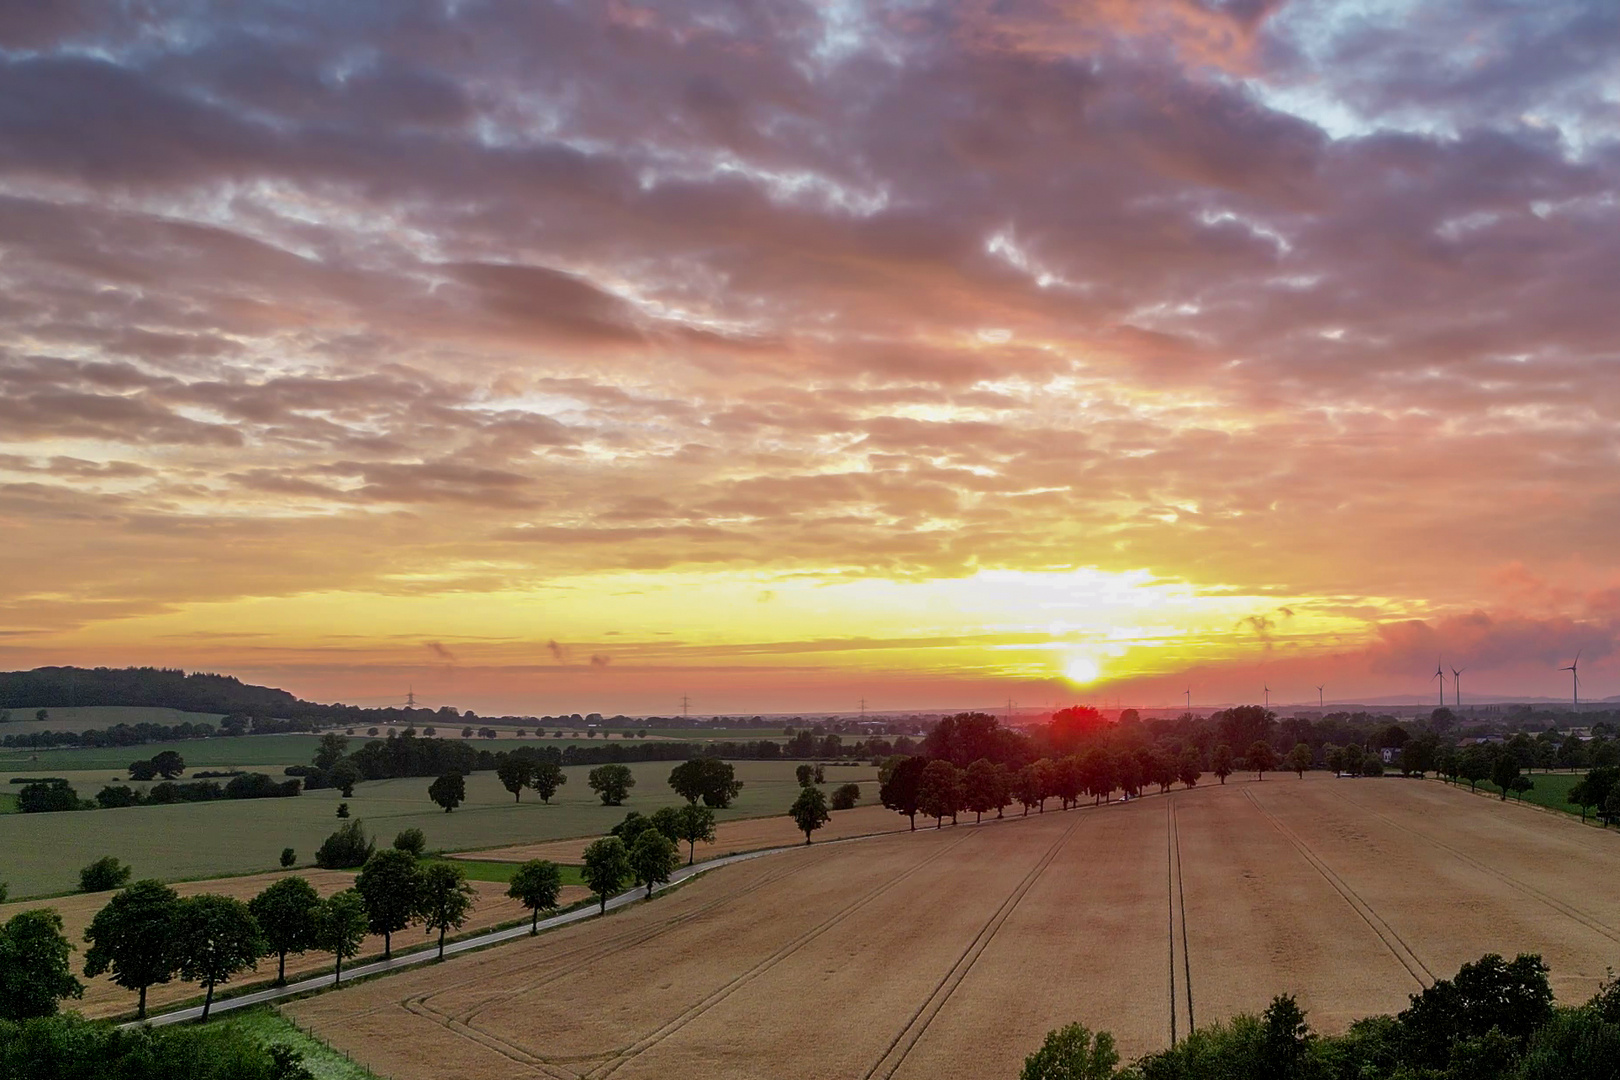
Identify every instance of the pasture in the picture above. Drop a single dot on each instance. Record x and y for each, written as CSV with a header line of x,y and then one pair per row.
x,y
86,717
41,854
949,954
229,752
1551,791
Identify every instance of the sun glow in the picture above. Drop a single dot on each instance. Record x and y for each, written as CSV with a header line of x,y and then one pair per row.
x,y
1081,670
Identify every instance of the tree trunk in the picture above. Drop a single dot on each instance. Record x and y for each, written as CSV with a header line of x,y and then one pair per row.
x,y
337,974
281,968
388,944
534,924
208,1000
604,903
441,943
913,822
691,852
140,1011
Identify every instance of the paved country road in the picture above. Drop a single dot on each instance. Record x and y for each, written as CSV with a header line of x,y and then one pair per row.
x,y
320,982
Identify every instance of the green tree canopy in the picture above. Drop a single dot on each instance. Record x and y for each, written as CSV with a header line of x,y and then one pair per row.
x,y
515,773
1072,1053
444,899
536,885
449,791
939,791
411,841
1299,758
103,875
653,857
612,783
218,938
809,810
285,912
693,824
390,884
347,848
607,865
1220,762
134,936
1261,758
901,789
708,779
34,973
340,927
546,778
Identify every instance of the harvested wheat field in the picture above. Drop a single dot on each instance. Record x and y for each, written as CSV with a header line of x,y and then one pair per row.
x,y
102,998
745,834
950,953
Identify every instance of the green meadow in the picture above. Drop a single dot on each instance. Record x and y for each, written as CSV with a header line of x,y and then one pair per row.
x,y
41,854
1551,790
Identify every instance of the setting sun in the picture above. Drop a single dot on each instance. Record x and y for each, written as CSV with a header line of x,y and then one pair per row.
x,y
1081,670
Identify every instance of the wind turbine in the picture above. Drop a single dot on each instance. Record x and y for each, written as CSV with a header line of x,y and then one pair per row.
x,y
1268,697
1456,681
1440,673
1319,703
1574,670
1188,692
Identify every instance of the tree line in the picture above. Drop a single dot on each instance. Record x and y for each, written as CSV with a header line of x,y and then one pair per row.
x,y
1494,1019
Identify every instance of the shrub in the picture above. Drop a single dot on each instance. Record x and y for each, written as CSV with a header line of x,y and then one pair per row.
x,y
112,797
288,858
411,841
347,848
845,796
343,810
105,874
47,798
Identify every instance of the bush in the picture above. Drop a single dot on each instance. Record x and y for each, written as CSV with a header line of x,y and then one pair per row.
x,y
47,798
112,797
260,786
343,810
103,875
845,796
411,841
345,849
288,858
71,1047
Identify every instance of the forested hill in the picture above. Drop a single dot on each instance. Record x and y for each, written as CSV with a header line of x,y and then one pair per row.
x,y
164,688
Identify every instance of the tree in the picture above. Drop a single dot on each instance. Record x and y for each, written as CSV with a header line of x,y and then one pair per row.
x,y
1594,789
1072,1053
902,788
1190,767
330,751
285,913
289,858
515,773
169,764
709,779
536,885
1474,765
340,928
47,798
343,810
546,778
607,864
940,791
103,875
981,788
1068,781
34,973
1504,771
805,774
411,841
135,936
344,775
809,810
1221,762
1261,758
1299,758
444,899
449,791
345,849
1026,787
217,938
653,857
612,783
390,884
694,823
845,796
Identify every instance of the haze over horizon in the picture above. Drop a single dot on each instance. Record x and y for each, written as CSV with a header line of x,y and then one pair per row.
x,y
554,357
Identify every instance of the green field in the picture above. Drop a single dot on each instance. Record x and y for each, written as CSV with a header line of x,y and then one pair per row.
x,y
1551,791
41,853
8,803
503,871
218,753
85,717
270,1028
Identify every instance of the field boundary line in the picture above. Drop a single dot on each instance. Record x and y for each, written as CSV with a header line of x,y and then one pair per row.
x,y
912,1032
709,1001
1178,907
1574,914
1403,953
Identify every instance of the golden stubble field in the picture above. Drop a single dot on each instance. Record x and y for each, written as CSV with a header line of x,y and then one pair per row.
x,y
949,954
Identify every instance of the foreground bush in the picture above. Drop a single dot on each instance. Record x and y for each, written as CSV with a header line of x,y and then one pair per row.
x,y
1495,1020
69,1048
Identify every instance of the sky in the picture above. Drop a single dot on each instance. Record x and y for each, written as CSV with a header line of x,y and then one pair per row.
x,y
545,357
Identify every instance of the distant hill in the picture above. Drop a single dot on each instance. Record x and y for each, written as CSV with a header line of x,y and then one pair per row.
x,y
163,688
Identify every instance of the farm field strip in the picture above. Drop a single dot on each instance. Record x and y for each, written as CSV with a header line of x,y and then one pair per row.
x,y
1392,940
906,1040
1591,922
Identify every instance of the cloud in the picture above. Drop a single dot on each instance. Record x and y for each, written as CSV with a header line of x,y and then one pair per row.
x,y
437,649
600,659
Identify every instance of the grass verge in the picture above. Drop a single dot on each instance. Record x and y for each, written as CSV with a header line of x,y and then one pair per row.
x,y
478,870
268,1026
